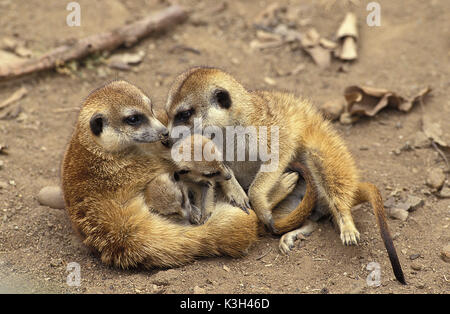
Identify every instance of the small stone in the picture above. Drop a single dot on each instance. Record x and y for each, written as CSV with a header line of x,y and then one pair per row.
x,y
416,266
411,204
270,81
3,185
51,196
445,192
12,182
198,290
445,253
226,268
397,213
414,256
436,178
332,109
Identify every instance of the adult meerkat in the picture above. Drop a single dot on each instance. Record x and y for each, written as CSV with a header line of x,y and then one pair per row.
x,y
111,157
304,136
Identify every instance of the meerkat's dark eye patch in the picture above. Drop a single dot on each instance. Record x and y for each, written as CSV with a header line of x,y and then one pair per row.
x,y
222,98
96,123
135,119
176,176
183,171
184,116
211,175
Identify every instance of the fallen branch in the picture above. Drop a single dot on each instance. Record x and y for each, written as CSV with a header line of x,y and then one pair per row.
x,y
126,35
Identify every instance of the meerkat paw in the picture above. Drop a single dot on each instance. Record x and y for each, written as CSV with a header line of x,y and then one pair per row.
x,y
288,181
349,235
236,195
288,239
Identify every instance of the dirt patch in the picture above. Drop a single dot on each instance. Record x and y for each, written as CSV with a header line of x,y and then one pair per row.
x,y
409,50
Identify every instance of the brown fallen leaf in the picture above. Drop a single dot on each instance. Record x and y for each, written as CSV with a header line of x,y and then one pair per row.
x,y
18,94
368,101
433,130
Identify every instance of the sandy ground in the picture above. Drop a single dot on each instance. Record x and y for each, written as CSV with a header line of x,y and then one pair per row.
x,y
409,51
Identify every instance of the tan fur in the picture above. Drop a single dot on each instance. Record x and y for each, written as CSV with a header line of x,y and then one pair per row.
x,y
304,136
104,194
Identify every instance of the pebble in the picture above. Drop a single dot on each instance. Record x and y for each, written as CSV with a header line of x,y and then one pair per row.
x,y
436,178
445,253
332,109
414,256
51,196
3,185
198,290
226,268
445,192
416,266
397,213
411,203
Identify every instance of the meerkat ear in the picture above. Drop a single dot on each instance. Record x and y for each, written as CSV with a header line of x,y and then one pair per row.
x,y
96,124
222,98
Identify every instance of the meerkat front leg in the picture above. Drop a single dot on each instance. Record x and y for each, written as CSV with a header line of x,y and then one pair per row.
x,y
234,193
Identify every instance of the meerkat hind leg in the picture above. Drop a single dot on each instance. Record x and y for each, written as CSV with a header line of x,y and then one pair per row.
x,y
261,187
287,240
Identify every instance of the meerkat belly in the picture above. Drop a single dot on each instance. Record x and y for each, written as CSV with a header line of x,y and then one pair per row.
x,y
245,172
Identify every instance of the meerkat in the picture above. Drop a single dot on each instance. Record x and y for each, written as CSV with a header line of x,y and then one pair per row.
x,y
113,154
193,199
304,136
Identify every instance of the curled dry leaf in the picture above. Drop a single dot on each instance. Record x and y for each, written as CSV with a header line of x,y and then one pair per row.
x,y
348,35
368,101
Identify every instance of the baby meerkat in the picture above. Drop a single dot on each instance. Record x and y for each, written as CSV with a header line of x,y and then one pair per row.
x,y
193,198
304,136
113,154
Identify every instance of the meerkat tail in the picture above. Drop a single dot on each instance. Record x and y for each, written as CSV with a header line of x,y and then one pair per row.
x,y
367,192
130,235
295,218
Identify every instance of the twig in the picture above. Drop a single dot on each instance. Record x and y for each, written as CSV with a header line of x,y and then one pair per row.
x,y
264,254
127,35
441,153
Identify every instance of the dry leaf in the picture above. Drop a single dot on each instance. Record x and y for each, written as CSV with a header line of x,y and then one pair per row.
x,y
368,101
433,130
320,55
348,35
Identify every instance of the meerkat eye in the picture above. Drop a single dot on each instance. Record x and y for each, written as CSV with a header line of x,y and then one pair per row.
x,y
134,120
183,171
184,116
222,98
212,174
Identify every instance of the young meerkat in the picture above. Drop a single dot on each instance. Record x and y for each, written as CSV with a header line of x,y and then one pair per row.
x,y
193,198
113,154
304,136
